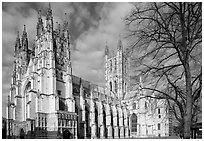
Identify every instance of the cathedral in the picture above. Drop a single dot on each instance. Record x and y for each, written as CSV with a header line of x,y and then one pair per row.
x,y
47,101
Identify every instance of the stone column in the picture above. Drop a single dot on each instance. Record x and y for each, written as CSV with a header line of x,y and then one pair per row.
x,y
121,126
115,122
122,132
93,131
75,127
125,122
126,132
116,136
100,119
102,136
92,118
108,120
109,132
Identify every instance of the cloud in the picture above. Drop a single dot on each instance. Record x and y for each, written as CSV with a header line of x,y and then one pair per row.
x,y
91,25
88,59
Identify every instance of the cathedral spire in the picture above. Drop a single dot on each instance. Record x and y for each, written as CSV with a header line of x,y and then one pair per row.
x,y
120,46
49,19
39,15
24,32
65,28
49,12
17,44
24,39
39,24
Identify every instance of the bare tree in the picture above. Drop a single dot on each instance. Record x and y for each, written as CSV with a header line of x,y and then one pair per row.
x,y
166,49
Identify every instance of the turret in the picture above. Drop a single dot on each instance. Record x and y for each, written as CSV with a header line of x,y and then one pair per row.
x,y
49,19
65,29
17,44
14,73
24,40
39,24
106,50
58,29
120,46
9,107
120,71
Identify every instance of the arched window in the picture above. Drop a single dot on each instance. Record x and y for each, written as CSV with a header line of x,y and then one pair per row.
x,y
134,106
159,126
104,122
115,64
110,86
134,122
116,87
61,104
96,121
111,65
28,99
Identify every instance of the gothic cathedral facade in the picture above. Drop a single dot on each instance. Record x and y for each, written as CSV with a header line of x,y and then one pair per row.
x,y
47,101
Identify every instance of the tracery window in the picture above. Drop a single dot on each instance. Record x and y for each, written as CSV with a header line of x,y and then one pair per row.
x,y
159,111
159,126
111,65
115,64
28,99
110,86
134,105
116,87
134,122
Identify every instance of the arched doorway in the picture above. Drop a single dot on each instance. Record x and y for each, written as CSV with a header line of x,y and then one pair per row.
x,y
67,134
22,134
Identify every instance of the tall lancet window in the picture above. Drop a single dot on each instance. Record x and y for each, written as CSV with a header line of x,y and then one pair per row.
x,y
134,122
116,87
111,65
110,86
28,99
115,64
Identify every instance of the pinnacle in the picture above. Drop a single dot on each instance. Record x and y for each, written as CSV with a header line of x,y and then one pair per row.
x,y
24,28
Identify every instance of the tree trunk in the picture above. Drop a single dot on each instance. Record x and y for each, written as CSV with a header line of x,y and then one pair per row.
x,y
188,111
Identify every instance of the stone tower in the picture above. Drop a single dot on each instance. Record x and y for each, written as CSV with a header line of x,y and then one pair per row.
x,y
116,72
41,89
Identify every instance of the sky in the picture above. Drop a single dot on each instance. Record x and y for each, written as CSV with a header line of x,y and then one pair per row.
x,y
91,25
